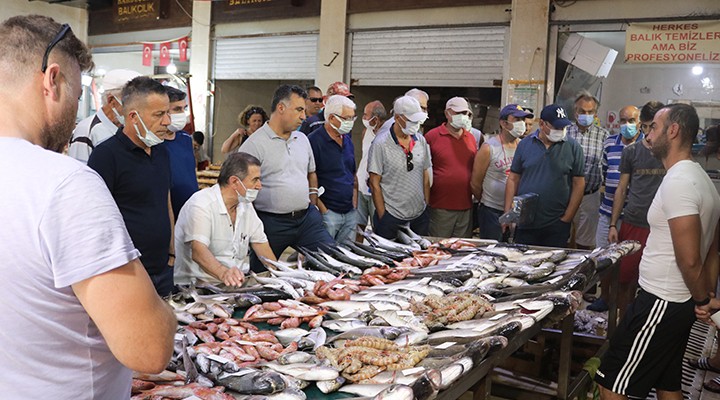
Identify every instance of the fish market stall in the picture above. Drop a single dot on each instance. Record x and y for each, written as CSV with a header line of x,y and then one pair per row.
x,y
379,319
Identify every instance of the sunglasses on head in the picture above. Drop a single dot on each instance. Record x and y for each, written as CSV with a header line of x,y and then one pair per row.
x,y
315,99
64,29
408,160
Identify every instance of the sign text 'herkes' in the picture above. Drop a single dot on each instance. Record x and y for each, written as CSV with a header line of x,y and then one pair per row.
x,y
670,43
136,10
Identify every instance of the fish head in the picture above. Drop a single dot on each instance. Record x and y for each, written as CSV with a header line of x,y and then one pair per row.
x,y
396,392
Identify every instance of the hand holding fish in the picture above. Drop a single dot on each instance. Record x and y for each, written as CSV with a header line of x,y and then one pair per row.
x,y
233,277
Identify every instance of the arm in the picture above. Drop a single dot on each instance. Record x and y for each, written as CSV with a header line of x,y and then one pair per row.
x,y
313,183
618,204
578,189
126,309
233,142
511,188
686,232
712,267
426,186
171,248
263,249
377,196
480,167
206,260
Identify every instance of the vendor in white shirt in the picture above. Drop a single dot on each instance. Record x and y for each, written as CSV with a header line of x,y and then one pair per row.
x,y
217,226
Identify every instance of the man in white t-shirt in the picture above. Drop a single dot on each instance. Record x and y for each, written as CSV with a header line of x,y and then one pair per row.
x,y
218,225
374,115
79,310
678,270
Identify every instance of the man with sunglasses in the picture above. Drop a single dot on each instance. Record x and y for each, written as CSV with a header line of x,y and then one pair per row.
x,y
398,164
314,102
313,122
76,299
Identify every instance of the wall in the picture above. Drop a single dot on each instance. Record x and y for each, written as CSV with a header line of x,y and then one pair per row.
x,y
76,17
619,10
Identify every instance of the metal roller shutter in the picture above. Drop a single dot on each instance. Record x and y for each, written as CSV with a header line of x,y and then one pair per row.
x,y
267,57
468,56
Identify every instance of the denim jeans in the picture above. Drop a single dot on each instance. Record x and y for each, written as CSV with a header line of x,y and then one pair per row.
x,y
387,226
488,222
340,226
554,235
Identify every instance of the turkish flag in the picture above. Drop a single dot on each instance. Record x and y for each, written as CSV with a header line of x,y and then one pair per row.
x,y
164,54
147,54
183,45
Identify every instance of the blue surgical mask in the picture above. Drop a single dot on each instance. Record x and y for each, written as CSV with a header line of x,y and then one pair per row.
x,y
628,130
585,119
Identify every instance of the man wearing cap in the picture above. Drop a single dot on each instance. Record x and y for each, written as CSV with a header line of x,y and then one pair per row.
x,y
97,128
452,148
549,164
591,138
491,168
399,179
317,120
422,97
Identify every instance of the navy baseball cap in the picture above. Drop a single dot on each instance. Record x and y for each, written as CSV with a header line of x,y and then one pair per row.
x,y
514,110
555,115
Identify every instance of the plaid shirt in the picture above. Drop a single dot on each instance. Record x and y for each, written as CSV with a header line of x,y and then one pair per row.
x,y
592,142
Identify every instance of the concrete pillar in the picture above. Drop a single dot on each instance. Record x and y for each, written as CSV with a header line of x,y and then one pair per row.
x,y
200,53
526,60
333,23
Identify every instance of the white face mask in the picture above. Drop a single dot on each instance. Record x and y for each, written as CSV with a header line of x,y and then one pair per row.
x,y
411,128
366,123
250,194
150,139
518,129
177,122
345,126
468,124
460,121
557,135
120,118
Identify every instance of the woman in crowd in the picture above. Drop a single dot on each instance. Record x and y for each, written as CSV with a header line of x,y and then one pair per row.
x,y
250,120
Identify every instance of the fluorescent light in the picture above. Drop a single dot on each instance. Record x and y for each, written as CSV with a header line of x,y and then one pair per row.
x,y
171,69
697,70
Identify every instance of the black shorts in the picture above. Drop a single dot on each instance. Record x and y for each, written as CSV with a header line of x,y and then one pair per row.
x,y
647,348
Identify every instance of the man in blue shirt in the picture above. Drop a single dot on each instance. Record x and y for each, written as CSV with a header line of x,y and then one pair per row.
x,y
137,172
335,167
179,145
550,164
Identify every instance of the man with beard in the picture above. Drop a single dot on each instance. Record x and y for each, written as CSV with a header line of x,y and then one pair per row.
x,y
76,299
137,172
678,270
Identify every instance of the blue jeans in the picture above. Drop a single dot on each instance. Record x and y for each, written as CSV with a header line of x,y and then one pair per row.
x,y
387,226
284,231
554,235
365,209
488,222
340,226
163,281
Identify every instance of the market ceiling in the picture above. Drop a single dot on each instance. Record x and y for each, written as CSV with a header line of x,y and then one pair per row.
x,y
87,4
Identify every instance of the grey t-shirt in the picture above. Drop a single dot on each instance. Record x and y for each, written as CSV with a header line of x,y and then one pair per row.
x,y
402,189
284,169
646,174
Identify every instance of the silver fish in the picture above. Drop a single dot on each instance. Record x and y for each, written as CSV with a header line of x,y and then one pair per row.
x,y
314,339
394,318
277,283
411,338
396,392
365,390
295,357
387,332
185,317
331,385
287,336
403,238
343,325
424,243
346,306
451,373
339,264
369,260
304,371
251,381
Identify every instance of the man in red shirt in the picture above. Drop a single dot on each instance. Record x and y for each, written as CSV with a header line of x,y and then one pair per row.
x,y
453,150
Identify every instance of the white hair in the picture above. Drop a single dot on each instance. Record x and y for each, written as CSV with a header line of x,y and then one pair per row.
x,y
417,94
335,104
111,92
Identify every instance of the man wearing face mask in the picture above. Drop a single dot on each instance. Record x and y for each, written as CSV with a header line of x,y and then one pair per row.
x,y
491,168
335,168
452,148
550,164
97,128
318,119
399,179
591,138
373,117
218,226
137,172
179,145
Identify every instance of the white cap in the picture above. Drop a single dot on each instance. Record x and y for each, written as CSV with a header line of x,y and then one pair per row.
x,y
409,108
117,78
457,104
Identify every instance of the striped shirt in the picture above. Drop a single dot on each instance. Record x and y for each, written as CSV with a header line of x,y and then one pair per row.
x,y
612,153
592,142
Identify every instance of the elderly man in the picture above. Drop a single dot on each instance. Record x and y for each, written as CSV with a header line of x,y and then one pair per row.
x,y
97,128
314,102
491,168
137,172
317,120
422,97
287,204
69,273
373,117
550,164
453,150
218,225
678,270
335,168
179,145
399,179
591,138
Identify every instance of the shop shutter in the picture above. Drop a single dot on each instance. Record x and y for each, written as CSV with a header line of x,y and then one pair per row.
x,y
266,57
460,57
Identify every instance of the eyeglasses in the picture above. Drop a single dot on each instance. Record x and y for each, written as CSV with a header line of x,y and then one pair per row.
x,y
315,99
350,119
63,32
408,159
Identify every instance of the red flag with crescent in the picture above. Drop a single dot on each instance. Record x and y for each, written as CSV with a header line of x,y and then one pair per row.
x,y
164,54
183,45
147,54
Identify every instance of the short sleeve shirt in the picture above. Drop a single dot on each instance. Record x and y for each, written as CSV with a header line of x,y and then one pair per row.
x,y
612,153
60,227
591,141
285,165
452,161
335,169
182,169
205,219
646,173
97,129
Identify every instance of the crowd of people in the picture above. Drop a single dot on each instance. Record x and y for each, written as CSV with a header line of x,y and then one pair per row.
x,y
92,248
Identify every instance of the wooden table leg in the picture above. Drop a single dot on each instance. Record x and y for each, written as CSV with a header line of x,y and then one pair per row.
x,y
481,390
566,338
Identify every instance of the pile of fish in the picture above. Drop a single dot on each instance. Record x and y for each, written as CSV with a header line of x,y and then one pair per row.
x,y
286,314
439,311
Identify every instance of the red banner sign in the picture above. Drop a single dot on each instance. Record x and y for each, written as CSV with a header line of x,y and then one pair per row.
x,y
183,45
147,54
164,54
